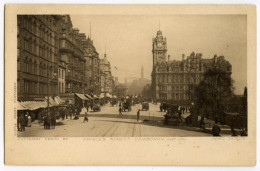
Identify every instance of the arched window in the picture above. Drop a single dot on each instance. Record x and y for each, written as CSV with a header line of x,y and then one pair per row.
x,y
43,51
47,36
40,69
40,31
35,27
35,68
47,71
26,64
44,70
30,66
50,38
30,44
35,47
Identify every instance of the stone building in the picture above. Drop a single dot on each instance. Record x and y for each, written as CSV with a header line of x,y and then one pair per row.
x,y
71,55
54,59
175,80
92,72
37,56
106,76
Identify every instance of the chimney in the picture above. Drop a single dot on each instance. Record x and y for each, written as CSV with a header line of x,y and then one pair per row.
x,y
183,56
168,58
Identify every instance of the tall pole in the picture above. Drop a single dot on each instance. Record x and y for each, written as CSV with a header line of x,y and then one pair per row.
x,y
48,99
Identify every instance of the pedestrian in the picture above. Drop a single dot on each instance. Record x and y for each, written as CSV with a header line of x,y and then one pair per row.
x,y
216,129
202,124
40,117
91,105
86,117
179,114
29,121
22,122
183,109
138,115
26,118
120,111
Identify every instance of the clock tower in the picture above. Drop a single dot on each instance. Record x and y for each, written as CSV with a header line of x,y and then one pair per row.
x,y
159,49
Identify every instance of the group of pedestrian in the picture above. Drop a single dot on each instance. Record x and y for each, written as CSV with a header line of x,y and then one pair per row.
x,y
49,119
23,120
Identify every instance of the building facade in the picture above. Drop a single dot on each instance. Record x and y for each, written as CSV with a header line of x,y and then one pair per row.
x,y
55,59
71,52
37,56
106,79
175,80
92,72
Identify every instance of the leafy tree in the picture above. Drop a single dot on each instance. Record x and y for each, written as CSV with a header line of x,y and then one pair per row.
x,y
244,102
215,89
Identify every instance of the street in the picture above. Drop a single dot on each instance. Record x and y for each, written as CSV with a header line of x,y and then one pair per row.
x,y
108,123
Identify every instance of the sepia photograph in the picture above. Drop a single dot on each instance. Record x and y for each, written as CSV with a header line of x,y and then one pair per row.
x,y
131,76
102,81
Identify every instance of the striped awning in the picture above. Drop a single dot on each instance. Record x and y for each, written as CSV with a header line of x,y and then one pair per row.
x,y
33,105
19,106
88,96
51,101
81,96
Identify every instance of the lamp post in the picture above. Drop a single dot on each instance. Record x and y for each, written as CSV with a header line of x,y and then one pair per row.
x,y
48,98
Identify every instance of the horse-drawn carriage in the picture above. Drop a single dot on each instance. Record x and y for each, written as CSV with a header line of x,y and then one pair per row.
x,y
172,115
127,106
145,106
113,101
164,106
96,107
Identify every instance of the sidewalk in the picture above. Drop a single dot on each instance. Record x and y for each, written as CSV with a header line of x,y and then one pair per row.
x,y
225,129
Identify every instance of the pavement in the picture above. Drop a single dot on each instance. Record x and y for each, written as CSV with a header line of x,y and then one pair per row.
x,y
108,123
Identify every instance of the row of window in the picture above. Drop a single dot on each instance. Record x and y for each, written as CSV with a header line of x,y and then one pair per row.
x,y
163,79
38,28
178,88
33,68
73,38
176,96
31,46
31,87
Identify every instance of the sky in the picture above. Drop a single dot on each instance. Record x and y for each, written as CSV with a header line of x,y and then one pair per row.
x,y
128,40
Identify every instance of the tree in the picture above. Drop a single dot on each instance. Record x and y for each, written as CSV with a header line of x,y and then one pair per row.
x,y
215,89
244,102
147,91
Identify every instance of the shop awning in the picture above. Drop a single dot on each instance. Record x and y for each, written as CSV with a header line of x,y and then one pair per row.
x,y
109,95
33,105
102,95
58,100
81,96
51,101
88,96
95,96
19,106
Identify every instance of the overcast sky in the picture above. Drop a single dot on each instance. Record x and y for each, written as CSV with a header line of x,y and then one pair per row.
x,y
128,40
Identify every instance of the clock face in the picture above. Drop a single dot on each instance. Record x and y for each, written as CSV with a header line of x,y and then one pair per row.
x,y
159,44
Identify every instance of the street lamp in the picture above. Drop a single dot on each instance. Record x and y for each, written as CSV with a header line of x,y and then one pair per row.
x,y
48,98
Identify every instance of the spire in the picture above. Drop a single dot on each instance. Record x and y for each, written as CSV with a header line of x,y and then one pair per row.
x,y
159,26
90,30
105,55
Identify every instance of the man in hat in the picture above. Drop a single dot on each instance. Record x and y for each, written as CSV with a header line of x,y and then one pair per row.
x,y
86,117
138,115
